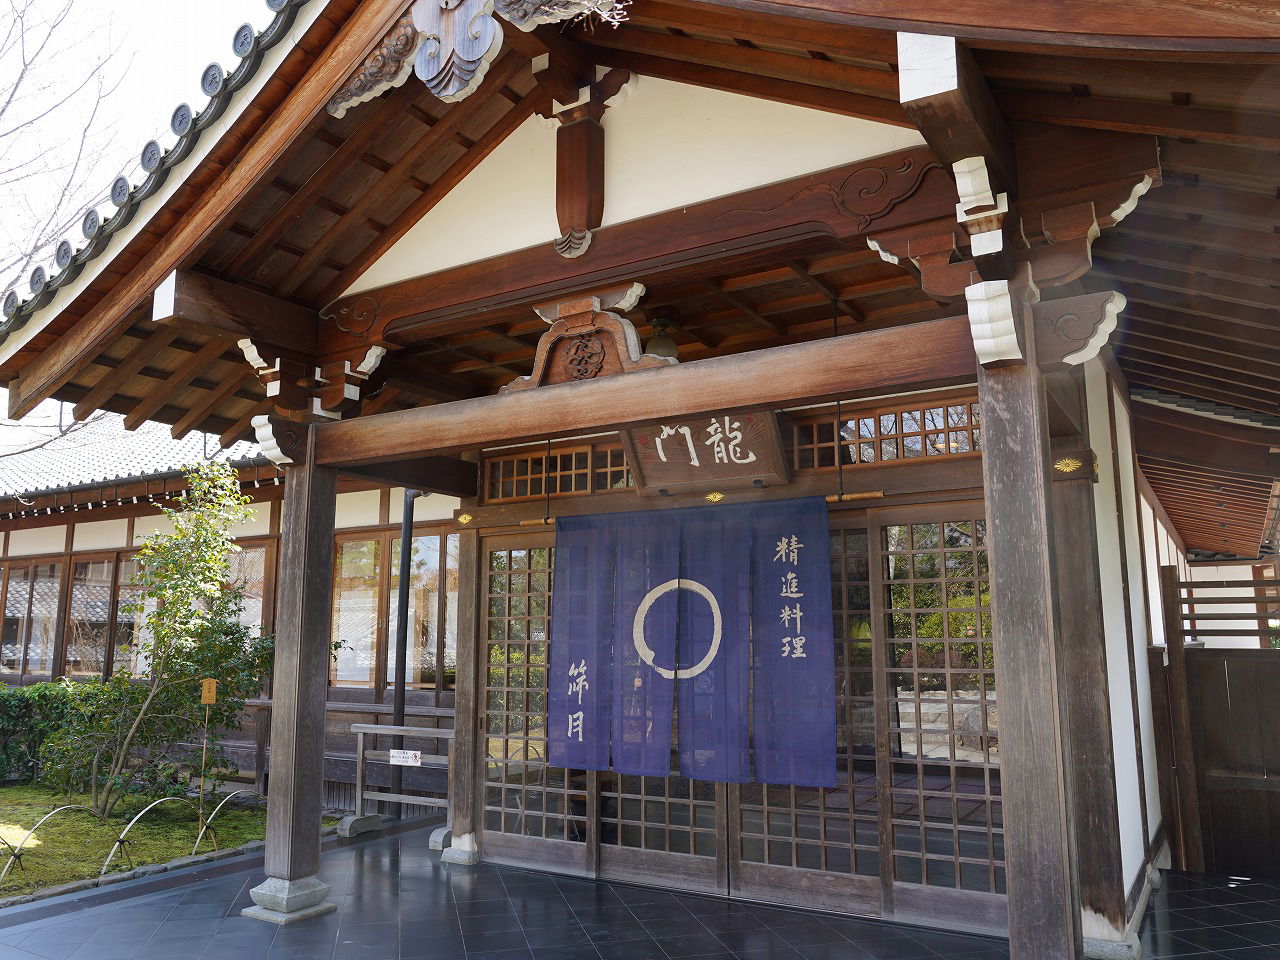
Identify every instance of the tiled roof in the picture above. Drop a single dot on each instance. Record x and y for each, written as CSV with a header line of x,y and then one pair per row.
x,y
187,126
102,451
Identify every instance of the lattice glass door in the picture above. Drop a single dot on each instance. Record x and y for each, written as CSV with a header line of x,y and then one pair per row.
x,y
943,829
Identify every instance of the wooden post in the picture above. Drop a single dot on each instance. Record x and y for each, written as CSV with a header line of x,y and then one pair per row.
x,y
465,751
1044,894
292,891
1091,761
1184,757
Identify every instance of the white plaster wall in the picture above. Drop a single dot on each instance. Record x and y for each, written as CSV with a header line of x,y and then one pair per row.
x,y
37,540
358,509
667,145
425,509
259,525
1248,605
100,535
1156,540
1138,610
1124,746
144,527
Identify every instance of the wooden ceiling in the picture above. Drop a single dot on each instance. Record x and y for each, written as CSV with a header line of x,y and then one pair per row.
x,y
1199,260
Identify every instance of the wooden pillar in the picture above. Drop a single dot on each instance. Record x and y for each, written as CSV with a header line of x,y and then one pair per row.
x,y
1043,890
468,742
1186,785
292,891
1090,764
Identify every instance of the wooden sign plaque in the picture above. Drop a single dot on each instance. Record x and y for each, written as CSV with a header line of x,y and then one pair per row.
x,y
725,451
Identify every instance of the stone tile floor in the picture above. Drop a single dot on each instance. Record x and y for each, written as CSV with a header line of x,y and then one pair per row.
x,y
1194,917
396,901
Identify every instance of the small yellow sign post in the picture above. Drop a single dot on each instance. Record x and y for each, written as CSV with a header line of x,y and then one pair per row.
x,y
208,697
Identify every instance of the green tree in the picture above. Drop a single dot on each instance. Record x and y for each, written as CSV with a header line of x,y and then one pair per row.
x,y
140,729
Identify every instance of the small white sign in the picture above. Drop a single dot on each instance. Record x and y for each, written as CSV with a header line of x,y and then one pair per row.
x,y
406,758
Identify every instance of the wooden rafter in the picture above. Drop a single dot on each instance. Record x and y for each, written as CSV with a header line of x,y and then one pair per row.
x,y
377,122
851,309
116,378
59,363
202,409
436,192
457,117
176,382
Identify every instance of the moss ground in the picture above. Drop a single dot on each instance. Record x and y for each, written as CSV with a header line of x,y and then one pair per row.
x,y
73,844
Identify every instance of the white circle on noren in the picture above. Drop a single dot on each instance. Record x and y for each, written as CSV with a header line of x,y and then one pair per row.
x,y
646,652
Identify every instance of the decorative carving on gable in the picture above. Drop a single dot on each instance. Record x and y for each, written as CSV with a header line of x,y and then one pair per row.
x,y
587,339
459,39
386,67
527,14
1072,331
868,193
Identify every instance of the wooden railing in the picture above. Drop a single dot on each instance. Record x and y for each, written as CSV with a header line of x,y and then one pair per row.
x,y
1230,610
363,757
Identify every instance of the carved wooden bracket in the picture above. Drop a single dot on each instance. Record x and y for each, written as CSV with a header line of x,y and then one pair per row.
x,y
305,393
389,65
283,441
587,340
580,159
998,315
1073,330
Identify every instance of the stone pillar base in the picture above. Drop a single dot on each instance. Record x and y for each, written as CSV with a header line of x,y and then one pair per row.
x,y
462,849
288,901
1130,948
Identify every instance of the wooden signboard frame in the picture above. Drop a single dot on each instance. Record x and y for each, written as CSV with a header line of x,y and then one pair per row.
x,y
692,464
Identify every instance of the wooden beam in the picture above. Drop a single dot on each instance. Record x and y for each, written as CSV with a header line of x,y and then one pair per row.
x,y
941,353
868,81
218,308
229,193
205,408
747,309
685,241
174,384
457,117
1036,780
114,379
447,475
1189,845
766,88
377,122
1204,235
1182,252
438,190
1143,25
1159,436
1254,211
1142,116
851,309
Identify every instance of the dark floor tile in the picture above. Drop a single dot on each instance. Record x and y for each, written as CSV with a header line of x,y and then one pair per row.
x,y
1263,933
1247,953
483,908
565,935
718,923
582,951
604,914
305,951
1210,938
677,926
368,932
657,909
740,941
367,951
648,949
1257,911
524,954
539,915
51,951
631,930
484,924
494,940
831,951
691,946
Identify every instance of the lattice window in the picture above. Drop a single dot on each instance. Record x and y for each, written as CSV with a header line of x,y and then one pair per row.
x,y
522,794
836,829
565,472
943,721
877,435
673,814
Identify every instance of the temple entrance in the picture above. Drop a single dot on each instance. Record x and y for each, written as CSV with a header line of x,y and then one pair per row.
x,y
914,827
